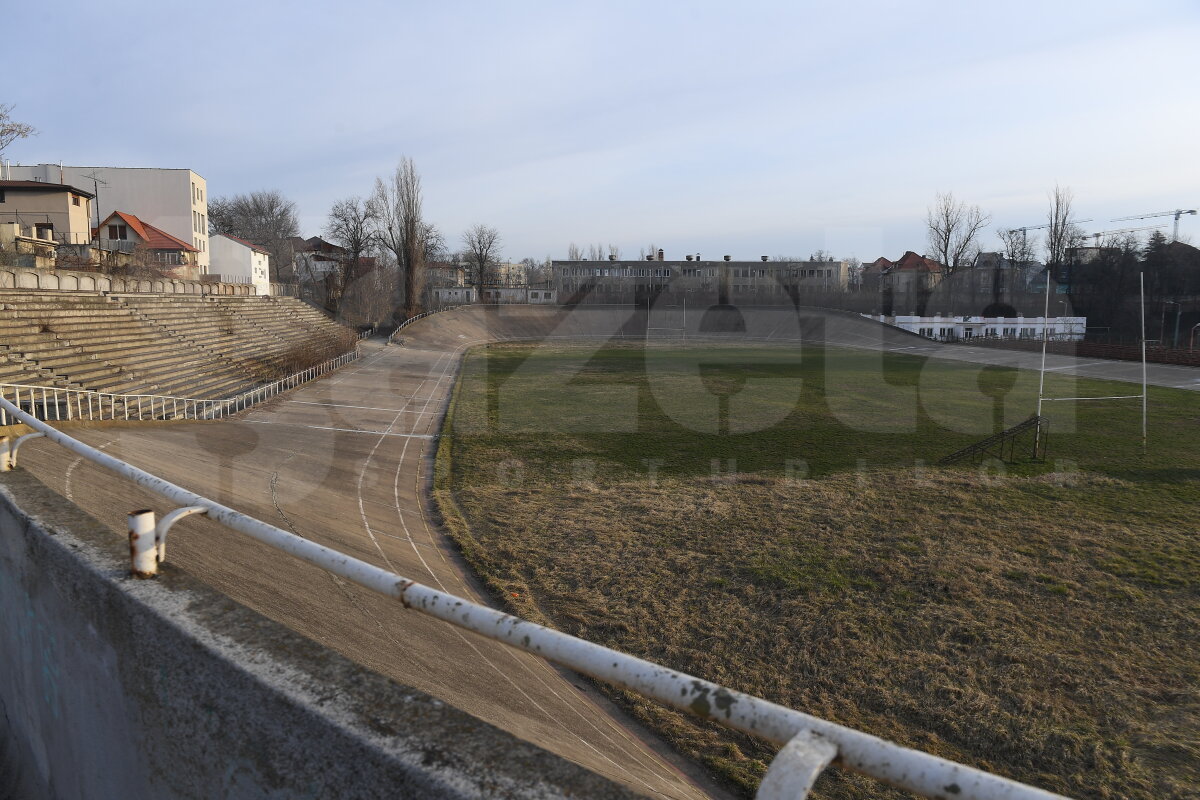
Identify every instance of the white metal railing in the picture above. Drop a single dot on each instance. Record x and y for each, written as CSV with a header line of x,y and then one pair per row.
x,y
58,404
422,315
810,744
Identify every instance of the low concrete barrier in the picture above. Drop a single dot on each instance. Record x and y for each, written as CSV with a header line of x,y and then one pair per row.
x,y
115,687
79,281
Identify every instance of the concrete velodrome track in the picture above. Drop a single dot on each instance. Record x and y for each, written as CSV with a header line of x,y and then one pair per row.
x,y
346,460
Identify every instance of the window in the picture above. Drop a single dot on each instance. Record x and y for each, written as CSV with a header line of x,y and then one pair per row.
x,y
74,199
119,232
1,195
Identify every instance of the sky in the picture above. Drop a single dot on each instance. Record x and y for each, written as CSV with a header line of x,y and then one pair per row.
x,y
746,129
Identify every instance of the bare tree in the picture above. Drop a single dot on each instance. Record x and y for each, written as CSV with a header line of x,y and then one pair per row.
x,y
351,226
1018,249
266,218
399,224
435,244
574,253
1063,234
482,243
10,129
954,229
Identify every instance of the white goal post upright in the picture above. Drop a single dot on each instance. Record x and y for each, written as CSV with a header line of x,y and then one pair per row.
x,y
1144,396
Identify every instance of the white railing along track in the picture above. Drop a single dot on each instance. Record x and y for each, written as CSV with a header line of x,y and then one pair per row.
x,y
809,743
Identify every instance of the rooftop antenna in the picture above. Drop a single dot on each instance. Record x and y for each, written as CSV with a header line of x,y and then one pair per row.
x,y
97,182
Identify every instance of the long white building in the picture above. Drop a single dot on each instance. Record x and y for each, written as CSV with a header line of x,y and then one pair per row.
x,y
950,329
173,200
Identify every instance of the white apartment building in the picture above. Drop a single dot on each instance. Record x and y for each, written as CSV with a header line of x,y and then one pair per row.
x,y
239,261
173,200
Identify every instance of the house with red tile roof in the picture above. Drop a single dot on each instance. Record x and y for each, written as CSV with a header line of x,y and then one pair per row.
x,y
123,232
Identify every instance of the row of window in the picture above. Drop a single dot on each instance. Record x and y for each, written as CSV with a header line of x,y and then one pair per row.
x,y
968,333
197,193
693,272
199,222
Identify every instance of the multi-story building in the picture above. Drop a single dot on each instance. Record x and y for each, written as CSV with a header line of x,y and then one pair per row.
x,y
172,200
754,281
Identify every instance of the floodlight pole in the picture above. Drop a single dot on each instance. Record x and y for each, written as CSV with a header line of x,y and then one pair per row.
x,y
1145,396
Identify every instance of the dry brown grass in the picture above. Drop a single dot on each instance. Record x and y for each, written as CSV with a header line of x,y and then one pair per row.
x,y
1038,627
1043,626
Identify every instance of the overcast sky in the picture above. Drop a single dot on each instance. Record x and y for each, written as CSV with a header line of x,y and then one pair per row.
x,y
749,129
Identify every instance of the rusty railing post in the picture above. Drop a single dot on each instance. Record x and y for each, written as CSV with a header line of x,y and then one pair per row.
x,y
143,552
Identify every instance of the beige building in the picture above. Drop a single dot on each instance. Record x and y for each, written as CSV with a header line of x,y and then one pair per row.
x,y
172,200
762,280
48,211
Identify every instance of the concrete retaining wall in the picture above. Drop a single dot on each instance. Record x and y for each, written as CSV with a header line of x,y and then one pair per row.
x,y
111,687
75,281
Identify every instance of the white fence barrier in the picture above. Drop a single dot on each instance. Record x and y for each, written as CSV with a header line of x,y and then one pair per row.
x,y
411,320
56,404
809,743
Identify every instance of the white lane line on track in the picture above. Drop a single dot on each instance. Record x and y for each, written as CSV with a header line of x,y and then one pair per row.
x,y
342,584
538,669
450,359
364,408
340,430
67,477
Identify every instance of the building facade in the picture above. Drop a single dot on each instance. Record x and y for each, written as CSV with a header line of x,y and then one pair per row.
x,y
236,260
957,329
172,200
747,281
52,212
137,242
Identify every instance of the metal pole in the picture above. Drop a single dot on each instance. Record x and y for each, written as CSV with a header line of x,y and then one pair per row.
x,y
142,548
1145,397
1037,435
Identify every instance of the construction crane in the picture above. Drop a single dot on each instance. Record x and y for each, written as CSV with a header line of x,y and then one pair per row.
x,y
1177,213
1039,227
1096,236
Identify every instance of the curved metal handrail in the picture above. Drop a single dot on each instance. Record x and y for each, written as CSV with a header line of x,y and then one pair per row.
x,y
809,743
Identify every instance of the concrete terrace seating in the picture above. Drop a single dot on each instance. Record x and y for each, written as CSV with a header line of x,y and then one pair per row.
x,y
179,345
255,333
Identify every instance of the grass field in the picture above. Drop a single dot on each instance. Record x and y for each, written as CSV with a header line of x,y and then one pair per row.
x,y
770,519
